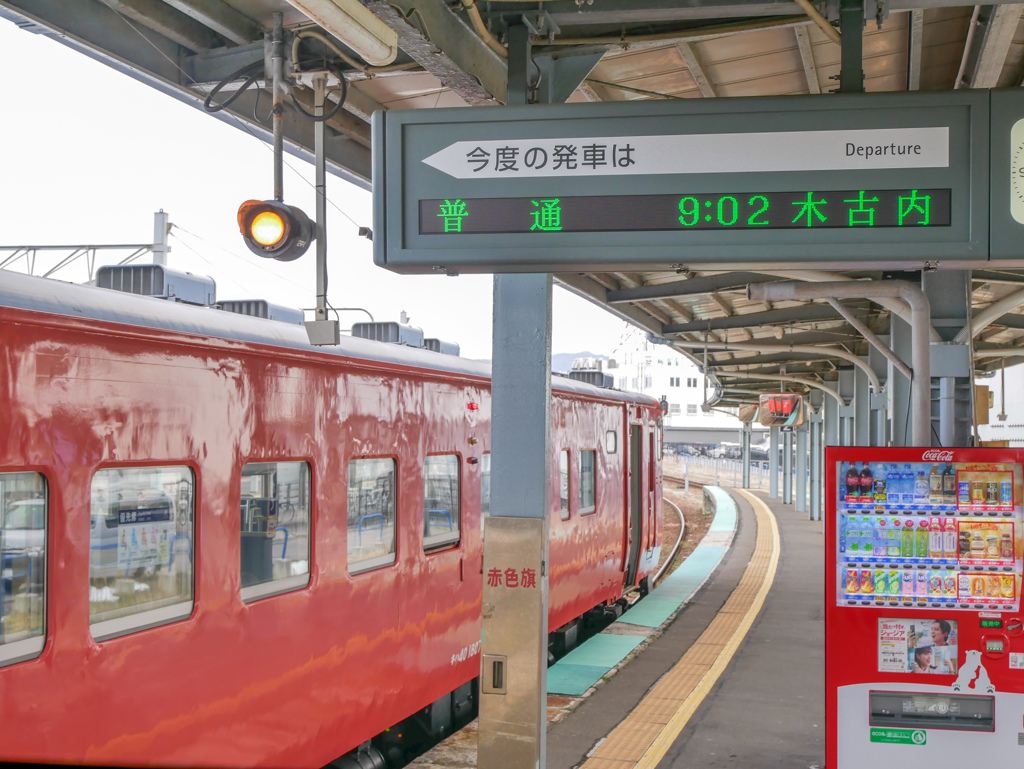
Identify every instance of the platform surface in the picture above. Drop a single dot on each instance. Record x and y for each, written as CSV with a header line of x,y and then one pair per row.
x,y
766,709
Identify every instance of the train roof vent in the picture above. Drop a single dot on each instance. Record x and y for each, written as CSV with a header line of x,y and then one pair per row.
x,y
260,308
445,348
596,378
391,332
158,281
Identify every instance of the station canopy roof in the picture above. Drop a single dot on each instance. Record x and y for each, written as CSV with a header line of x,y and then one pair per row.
x,y
450,53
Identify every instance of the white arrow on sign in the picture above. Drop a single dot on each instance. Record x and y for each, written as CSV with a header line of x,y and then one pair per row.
x,y
841,150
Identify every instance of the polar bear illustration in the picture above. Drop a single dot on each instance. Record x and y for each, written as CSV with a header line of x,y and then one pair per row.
x,y
973,673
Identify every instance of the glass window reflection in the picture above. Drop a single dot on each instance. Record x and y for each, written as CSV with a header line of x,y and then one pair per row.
x,y
23,514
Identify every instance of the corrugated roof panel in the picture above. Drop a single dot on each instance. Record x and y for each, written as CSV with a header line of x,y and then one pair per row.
x,y
945,25
676,83
756,67
773,85
747,44
939,65
1013,67
633,64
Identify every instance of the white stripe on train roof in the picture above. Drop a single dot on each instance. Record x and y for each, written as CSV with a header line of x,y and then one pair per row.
x,y
26,292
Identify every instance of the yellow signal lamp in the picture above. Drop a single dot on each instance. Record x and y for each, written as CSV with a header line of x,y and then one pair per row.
x,y
275,230
267,228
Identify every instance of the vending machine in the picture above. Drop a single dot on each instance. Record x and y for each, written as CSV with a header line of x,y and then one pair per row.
x,y
924,634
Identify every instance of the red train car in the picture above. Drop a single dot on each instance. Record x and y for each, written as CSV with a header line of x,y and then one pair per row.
x,y
223,547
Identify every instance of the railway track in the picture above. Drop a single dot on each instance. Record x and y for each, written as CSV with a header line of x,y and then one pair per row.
x,y
681,480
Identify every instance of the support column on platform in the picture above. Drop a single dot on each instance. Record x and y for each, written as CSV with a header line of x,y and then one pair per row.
x,y
745,454
847,387
830,409
773,462
787,468
814,512
880,400
800,485
861,408
899,387
513,684
951,369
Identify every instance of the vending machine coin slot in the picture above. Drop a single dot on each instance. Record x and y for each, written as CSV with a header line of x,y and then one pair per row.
x,y
1014,626
917,710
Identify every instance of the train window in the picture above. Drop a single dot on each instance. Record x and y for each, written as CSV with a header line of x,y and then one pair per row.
x,y
441,501
371,514
611,442
23,508
275,507
588,472
141,548
563,483
658,438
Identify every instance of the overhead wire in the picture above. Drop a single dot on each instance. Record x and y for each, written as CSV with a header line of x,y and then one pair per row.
x,y
249,263
253,68
241,124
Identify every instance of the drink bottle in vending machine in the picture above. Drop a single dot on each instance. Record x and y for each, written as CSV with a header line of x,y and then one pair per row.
x,y
924,632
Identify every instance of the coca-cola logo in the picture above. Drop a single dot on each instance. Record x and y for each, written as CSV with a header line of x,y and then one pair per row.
x,y
937,456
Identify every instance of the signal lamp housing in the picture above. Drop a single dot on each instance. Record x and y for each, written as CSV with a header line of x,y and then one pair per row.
x,y
275,230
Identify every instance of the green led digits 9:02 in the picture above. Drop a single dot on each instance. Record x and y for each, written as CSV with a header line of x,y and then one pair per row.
x,y
803,210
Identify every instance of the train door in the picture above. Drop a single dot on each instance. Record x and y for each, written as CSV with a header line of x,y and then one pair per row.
x,y
636,501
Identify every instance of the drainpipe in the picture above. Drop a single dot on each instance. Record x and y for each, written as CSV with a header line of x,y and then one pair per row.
x,y
790,378
989,315
895,306
825,352
1006,352
920,324
868,334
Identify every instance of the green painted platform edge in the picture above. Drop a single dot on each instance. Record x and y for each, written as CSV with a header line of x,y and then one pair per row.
x,y
573,679
588,663
681,584
725,510
584,666
604,649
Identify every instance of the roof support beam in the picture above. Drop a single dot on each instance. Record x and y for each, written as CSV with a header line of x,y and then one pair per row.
x,y
994,276
915,32
167,21
761,360
839,335
803,41
1010,320
693,63
590,289
689,35
221,18
691,287
446,47
987,48
567,13
807,312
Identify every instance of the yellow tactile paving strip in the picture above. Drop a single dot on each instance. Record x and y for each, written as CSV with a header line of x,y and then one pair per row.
x,y
644,737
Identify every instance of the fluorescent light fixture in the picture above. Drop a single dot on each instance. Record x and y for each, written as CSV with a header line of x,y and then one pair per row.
x,y
355,26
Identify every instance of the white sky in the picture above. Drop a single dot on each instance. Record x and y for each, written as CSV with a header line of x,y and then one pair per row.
x,y
89,154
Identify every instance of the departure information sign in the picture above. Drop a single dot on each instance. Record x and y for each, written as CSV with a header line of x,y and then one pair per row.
x,y
649,213
840,181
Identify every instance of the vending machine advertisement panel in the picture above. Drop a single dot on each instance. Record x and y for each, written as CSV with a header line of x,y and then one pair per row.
x,y
923,629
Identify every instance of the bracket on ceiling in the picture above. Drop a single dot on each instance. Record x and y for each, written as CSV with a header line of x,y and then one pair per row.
x,y
873,9
540,24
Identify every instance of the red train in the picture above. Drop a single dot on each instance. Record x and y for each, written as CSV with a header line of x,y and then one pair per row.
x,y
223,547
